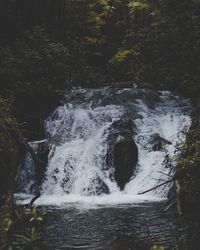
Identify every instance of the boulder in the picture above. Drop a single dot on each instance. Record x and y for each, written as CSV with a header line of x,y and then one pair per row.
x,y
125,160
97,187
158,142
122,152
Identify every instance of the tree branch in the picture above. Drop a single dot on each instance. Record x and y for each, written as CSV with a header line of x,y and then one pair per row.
x,y
162,184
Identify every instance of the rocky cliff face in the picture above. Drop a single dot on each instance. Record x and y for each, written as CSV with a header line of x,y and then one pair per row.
x,y
123,152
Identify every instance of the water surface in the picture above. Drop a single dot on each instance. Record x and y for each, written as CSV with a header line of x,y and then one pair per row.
x,y
136,226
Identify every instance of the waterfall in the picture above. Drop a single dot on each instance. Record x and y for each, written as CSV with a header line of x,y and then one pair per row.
x,y
77,168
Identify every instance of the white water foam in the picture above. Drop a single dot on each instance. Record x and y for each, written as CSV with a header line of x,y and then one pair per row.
x,y
77,159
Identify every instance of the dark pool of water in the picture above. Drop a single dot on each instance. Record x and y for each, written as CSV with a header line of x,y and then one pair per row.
x,y
121,228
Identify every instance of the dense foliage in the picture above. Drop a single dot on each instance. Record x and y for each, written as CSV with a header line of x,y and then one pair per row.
x,y
8,126
54,44
188,169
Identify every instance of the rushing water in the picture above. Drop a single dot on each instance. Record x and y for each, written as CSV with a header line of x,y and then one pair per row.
x,y
78,130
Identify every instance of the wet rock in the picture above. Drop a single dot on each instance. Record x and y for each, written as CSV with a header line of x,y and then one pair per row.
x,y
125,160
97,187
41,150
122,152
158,142
124,125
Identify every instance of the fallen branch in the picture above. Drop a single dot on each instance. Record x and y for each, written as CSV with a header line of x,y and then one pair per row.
x,y
34,199
32,154
158,179
162,184
169,206
164,174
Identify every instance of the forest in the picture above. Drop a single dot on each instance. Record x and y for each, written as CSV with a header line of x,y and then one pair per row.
x,y
50,47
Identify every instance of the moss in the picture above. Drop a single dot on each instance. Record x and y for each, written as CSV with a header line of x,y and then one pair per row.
x,y
122,56
124,65
136,5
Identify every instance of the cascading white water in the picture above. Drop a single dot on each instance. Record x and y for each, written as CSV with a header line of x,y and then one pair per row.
x,y
75,164
77,169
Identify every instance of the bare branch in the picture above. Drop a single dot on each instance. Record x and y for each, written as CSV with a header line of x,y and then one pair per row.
x,y
164,174
162,184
